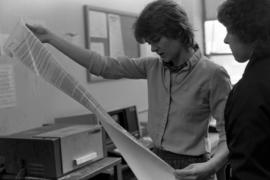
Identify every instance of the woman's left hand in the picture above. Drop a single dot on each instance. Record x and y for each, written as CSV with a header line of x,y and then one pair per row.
x,y
198,171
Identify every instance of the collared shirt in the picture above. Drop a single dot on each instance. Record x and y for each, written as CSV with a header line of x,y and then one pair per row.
x,y
180,104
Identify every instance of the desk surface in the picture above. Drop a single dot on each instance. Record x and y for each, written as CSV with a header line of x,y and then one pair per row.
x,y
85,172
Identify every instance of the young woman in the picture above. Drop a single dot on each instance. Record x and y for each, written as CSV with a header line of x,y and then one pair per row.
x,y
247,114
184,88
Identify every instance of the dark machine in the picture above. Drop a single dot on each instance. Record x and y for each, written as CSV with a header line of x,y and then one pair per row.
x,y
51,151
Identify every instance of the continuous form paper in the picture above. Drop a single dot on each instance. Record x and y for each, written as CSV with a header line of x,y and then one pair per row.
x,y
24,46
7,86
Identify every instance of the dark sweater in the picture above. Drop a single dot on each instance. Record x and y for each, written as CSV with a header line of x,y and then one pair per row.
x,y
247,122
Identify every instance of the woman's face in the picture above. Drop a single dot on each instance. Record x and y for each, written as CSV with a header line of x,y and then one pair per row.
x,y
168,49
240,50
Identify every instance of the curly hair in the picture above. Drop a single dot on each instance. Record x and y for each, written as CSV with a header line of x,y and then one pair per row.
x,y
164,18
249,20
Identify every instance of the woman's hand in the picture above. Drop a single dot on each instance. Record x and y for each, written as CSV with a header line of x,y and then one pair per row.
x,y
198,171
40,32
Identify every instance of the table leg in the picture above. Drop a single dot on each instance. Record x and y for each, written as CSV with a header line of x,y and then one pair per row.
x,y
118,172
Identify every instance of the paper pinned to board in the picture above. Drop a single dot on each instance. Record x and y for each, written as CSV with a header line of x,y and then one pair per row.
x,y
24,46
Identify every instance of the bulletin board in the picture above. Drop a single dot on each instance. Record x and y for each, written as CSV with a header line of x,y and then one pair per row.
x,y
110,33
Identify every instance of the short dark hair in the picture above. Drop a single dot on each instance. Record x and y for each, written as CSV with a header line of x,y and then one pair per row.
x,y
249,20
164,18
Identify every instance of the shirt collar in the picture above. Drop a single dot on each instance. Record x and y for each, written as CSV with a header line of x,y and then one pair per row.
x,y
172,68
189,64
195,58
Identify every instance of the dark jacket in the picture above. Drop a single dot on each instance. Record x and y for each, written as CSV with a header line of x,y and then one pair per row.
x,y
247,122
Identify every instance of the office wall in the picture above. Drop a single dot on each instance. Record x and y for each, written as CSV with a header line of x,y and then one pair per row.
x,y
37,102
234,69
194,11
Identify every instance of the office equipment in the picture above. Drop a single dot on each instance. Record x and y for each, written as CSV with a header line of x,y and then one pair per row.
x,y
78,119
84,173
52,151
128,118
96,168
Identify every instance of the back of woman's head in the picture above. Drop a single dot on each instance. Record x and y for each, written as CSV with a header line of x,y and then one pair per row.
x,y
164,18
249,20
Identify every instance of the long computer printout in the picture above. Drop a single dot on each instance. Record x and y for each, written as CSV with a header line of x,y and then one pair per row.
x,y
22,45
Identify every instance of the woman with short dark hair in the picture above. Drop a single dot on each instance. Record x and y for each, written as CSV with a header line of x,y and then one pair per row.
x,y
185,89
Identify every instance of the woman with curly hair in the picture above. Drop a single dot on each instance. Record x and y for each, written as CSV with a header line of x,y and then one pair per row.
x,y
247,113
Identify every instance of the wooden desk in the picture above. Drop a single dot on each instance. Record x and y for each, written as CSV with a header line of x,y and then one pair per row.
x,y
87,171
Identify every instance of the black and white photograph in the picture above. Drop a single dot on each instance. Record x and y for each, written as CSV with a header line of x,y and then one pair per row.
x,y
134,89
